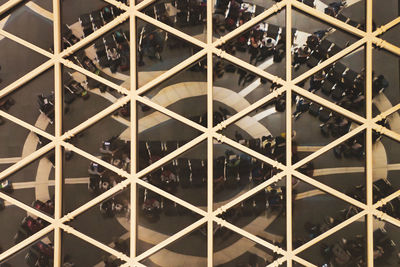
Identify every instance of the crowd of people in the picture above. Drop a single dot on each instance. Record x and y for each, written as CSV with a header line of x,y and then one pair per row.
x,y
262,41
231,171
188,12
344,86
349,252
112,50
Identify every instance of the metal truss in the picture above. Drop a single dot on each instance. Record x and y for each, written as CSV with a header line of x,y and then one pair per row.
x,y
210,48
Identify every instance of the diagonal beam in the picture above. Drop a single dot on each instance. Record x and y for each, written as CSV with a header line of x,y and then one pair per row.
x,y
68,229
334,107
120,89
330,232
329,146
329,190
169,73
26,125
223,139
27,77
343,53
329,19
171,114
96,34
33,238
171,239
25,161
22,42
249,193
9,5
251,23
171,30
23,206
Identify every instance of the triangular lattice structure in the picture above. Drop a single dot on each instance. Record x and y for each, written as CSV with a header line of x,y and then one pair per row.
x,y
134,94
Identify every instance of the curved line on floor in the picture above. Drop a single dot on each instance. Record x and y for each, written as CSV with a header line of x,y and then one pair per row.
x,y
241,246
42,177
43,170
3,23
40,10
177,92
382,103
32,140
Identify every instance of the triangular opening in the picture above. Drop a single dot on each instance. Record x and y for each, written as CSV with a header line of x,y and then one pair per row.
x,y
232,249
350,12
21,143
384,14
107,56
185,93
109,137
38,253
189,250
21,224
227,15
159,135
17,60
262,214
385,172
185,176
85,178
158,51
316,126
38,15
342,82
346,246
262,45
37,112
343,167
385,243
236,172
263,129
230,96
79,21
112,214
385,80
314,45
73,246
324,211
159,218
34,184
80,90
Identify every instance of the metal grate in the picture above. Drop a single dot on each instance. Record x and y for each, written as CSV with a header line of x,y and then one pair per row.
x,y
135,95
